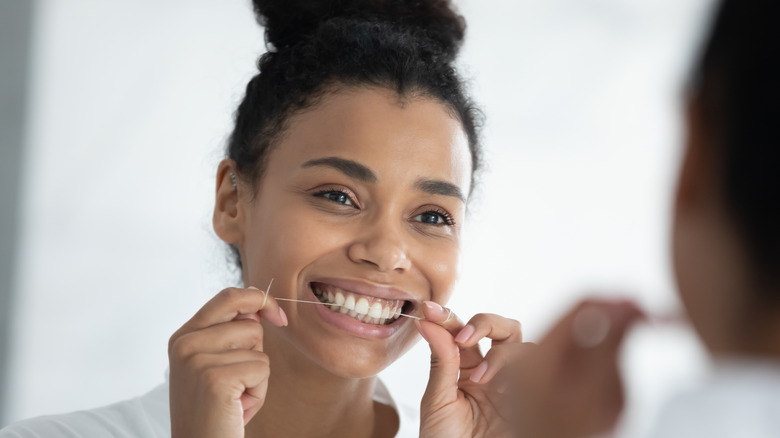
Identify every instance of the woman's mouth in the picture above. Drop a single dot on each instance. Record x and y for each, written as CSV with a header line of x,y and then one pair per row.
x,y
364,308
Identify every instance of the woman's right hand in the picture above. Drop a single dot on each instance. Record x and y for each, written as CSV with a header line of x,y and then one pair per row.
x,y
218,371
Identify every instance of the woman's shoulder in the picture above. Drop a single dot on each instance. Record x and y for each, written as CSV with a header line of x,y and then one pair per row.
x,y
144,416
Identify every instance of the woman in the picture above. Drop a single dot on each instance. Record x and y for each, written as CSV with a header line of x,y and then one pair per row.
x,y
345,188
726,258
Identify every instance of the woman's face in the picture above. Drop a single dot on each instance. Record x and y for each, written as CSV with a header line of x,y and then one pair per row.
x,y
709,259
361,206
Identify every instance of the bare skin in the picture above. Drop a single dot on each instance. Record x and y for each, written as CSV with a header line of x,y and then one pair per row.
x,y
463,398
564,388
362,188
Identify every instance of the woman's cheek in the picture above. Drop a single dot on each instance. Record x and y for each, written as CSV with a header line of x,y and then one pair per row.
x,y
442,267
305,238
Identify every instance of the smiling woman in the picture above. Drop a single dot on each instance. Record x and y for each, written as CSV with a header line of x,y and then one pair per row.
x,y
341,208
345,183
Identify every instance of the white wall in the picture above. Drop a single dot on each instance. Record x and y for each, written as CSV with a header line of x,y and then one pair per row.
x,y
131,104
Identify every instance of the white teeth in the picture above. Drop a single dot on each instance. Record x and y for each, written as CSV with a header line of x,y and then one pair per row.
x,y
338,300
331,299
349,303
380,312
361,306
375,311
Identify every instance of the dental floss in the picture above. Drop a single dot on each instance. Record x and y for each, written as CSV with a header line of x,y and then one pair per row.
x,y
449,316
320,302
268,290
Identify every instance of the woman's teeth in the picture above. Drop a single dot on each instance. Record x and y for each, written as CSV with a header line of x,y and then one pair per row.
x,y
370,310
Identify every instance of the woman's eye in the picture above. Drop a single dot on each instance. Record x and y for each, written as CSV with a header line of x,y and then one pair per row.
x,y
337,197
434,218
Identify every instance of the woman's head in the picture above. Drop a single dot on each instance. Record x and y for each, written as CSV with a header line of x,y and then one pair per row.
x,y
355,150
320,47
727,240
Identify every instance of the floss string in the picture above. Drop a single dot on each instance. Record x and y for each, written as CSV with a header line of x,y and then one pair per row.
x,y
268,290
325,304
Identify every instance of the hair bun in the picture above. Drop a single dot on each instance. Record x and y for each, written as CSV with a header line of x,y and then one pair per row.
x,y
287,22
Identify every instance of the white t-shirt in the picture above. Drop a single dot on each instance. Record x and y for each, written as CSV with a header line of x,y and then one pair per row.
x,y
148,416
741,398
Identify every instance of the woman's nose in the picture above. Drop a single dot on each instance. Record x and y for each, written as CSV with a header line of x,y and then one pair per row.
x,y
382,246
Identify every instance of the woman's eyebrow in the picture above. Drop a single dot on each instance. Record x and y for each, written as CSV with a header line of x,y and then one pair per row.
x,y
352,169
436,187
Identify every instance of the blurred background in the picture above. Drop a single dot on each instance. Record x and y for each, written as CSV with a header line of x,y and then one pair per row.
x,y
113,116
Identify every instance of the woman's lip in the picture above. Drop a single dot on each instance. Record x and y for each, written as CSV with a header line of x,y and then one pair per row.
x,y
369,289
352,325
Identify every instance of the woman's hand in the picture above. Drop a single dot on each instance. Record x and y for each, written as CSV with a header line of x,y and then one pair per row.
x,y
569,385
218,371
460,400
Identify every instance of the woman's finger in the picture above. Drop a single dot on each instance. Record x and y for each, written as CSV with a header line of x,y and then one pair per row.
x,y
198,364
497,359
592,321
597,347
470,357
434,312
232,302
216,385
243,379
442,386
485,325
232,335
488,325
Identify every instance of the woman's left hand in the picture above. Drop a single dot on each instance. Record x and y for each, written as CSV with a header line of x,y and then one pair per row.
x,y
460,400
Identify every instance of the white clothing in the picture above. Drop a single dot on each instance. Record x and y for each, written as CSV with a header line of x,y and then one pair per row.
x,y
148,416
740,399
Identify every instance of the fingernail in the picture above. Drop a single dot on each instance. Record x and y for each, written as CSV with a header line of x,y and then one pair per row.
x,y
283,316
478,372
464,334
252,287
433,306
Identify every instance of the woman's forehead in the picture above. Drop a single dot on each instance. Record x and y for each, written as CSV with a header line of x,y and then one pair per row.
x,y
394,138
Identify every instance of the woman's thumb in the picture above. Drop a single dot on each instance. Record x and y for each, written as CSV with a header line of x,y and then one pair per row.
x,y
445,366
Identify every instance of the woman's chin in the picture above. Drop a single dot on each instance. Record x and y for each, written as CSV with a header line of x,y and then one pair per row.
x,y
354,362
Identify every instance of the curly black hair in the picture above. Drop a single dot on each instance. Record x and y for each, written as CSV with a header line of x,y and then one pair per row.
x,y
736,84
314,47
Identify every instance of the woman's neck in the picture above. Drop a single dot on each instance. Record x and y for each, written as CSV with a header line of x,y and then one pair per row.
x,y
306,400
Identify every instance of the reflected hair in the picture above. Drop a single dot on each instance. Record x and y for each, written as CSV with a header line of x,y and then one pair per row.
x,y
736,86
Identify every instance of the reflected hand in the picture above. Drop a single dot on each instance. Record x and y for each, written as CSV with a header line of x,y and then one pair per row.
x,y
570,385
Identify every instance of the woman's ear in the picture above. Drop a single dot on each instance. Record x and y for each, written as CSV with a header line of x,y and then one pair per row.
x,y
228,209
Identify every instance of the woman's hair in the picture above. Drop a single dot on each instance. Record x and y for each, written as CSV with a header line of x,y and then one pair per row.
x,y
317,47
737,90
